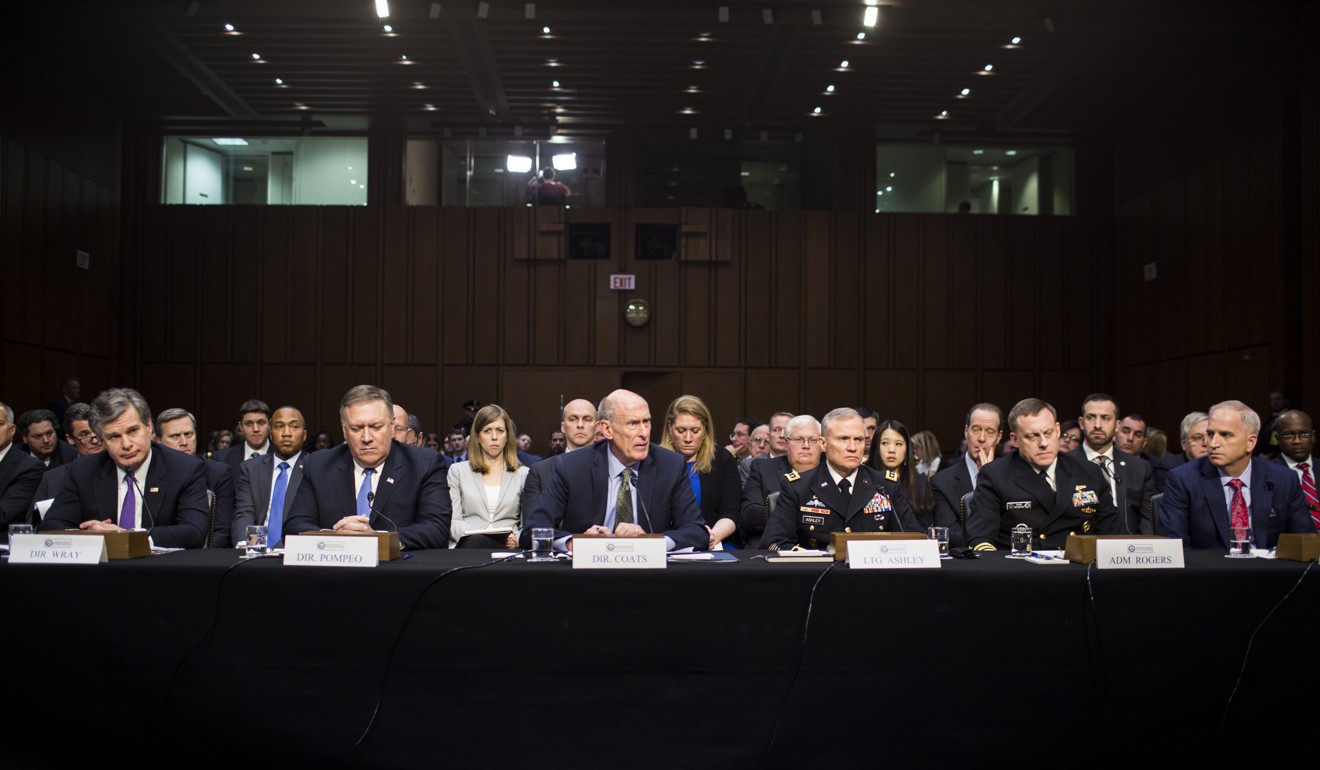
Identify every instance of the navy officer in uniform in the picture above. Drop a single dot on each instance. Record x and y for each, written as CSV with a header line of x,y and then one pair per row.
x,y
840,494
1054,494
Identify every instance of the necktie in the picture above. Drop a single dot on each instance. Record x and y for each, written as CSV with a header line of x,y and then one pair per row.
x,y
845,489
623,513
363,503
1308,491
1238,509
1045,475
1107,469
128,514
275,520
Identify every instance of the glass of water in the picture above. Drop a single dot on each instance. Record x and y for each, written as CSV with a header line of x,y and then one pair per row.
x,y
941,536
543,541
1020,540
1241,543
255,545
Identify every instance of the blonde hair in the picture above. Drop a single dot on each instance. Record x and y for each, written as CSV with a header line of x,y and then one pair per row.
x,y
691,405
484,417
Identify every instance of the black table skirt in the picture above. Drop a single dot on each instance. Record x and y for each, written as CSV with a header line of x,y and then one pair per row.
x,y
196,658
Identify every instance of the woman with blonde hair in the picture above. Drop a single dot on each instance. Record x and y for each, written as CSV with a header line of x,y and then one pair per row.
x,y
927,449
713,474
484,489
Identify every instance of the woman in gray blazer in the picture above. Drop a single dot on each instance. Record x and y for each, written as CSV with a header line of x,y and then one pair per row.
x,y
484,489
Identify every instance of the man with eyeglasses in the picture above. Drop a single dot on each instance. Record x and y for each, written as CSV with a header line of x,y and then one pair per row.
x,y
1054,494
79,434
37,429
740,438
20,473
769,475
981,430
840,495
1296,435
1191,434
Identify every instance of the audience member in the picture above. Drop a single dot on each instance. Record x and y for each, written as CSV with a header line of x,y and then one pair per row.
x,y
927,450
1191,434
484,490
79,434
1070,436
712,474
740,439
577,421
177,429
254,426
323,440
1296,436
70,394
558,442
20,473
1131,438
955,481
1269,443
889,455
1130,479
768,476
37,428
268,485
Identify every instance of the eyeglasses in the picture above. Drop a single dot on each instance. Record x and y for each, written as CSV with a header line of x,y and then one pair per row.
x,y
803,442
87,439
1298,435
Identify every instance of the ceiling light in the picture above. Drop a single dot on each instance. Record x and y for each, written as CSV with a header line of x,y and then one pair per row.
x,y
989,68
229,28
889,189
430,107
519,164
388,28
256,57
1017,40
843,65
966,92
545,30
554,83
352,181
403,59
861,35
247,168
978,152
383,9
300,106
231,142
279,81
1010,153
816,111
418,86
829,89
566,162
698,64
870,16
687,111
892,175
694,89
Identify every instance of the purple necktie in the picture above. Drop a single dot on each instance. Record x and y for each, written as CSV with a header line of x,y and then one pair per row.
x,y
128,514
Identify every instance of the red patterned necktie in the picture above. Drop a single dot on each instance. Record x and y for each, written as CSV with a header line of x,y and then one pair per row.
x,y
1308,490
1238,510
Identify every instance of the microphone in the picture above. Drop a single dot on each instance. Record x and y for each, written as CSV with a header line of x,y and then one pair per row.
x,y
649,527
371,500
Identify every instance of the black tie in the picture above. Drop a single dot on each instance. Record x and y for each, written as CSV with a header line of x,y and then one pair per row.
x,y
845,489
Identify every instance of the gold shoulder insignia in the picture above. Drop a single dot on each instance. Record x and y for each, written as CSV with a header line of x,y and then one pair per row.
x,y
792,476
891,475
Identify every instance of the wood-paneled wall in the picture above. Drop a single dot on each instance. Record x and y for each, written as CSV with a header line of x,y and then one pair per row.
x,y
1217,188
915,315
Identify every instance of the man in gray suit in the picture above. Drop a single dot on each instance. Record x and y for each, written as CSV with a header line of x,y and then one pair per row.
x,y
577,421
268,484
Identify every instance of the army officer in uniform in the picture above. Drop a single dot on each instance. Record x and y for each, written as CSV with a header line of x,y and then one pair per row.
x,y
840,495
1054,494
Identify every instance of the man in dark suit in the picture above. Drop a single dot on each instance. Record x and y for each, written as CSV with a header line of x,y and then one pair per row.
x,y
261,496
134,483
623,486
177,429
1056,495
577,423
70,394
1131,480
1206,498
982,430
1131,439
1191,434
79,434
372,482
840,495
20,474
769,475
40,433
254,427
1296,434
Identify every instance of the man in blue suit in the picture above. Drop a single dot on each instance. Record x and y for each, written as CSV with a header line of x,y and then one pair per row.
x,y
1202,496
372,482
134,483
624,485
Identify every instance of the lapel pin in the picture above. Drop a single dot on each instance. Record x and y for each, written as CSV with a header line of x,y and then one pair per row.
x,y
389,481
154,490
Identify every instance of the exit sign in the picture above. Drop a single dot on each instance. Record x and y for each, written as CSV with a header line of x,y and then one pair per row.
x,y
623,282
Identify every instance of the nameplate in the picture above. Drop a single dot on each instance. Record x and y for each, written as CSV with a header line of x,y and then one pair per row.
x,y
893,554
619,553
57,549
1144,553
330,551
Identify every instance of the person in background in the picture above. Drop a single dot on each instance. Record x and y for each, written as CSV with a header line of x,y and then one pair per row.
x,y
322,441
1156,442
927,449
484,489
713,474
889,455
1071,437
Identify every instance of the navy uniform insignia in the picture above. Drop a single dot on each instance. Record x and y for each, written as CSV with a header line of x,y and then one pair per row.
x,y
1086,526
792,475
891,475
878,504
1084,496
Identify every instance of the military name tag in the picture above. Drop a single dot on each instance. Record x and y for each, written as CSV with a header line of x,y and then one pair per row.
x,y
1143,553
1018,505
330,551
57,549
893,554
619,553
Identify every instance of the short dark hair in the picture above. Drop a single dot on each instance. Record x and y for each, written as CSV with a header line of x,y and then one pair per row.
x,y
359,394
1027,407
32,417
170,415
866,411
79,411
985,406
250,406
1099,397
415,424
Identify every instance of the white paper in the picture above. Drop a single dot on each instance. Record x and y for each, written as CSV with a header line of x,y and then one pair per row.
x,y
893,554
619,553
330,551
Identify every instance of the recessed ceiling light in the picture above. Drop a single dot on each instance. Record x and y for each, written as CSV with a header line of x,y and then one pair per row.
x,y
545,30
403,59
554,83
256,57
687,111
989,67
1010,153
279,81
978,152
861,35
816,111
870,15
694,89
419,86
889,189
388,28
966,92
352,181
1017,40
229,28
383,9
829,89
247,168
843,65
430,107
892,175
230,142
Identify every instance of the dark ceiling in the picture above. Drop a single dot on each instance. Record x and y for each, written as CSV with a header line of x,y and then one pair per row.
x,y
471,65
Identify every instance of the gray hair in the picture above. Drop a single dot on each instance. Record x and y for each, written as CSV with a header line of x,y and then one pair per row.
x,y
170,415
361,394
1249,416
609,404
801,421
8,411
111,405
842,413
1191,419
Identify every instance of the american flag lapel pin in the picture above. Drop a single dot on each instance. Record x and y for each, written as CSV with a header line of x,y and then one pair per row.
x,y
154,490
389,481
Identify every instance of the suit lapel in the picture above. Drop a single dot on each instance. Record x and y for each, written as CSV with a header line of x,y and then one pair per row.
x,y
1213,488
7,466
344,473
295,478
107,492
1262,501
265,473
600,483
154,491
823,486
391,472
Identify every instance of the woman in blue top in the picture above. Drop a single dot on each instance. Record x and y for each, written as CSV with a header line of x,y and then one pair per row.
x,y
713,472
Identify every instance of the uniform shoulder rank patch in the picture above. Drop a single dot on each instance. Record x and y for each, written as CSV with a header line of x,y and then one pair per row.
x,y
891,475
878,504
1084,496
792,475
